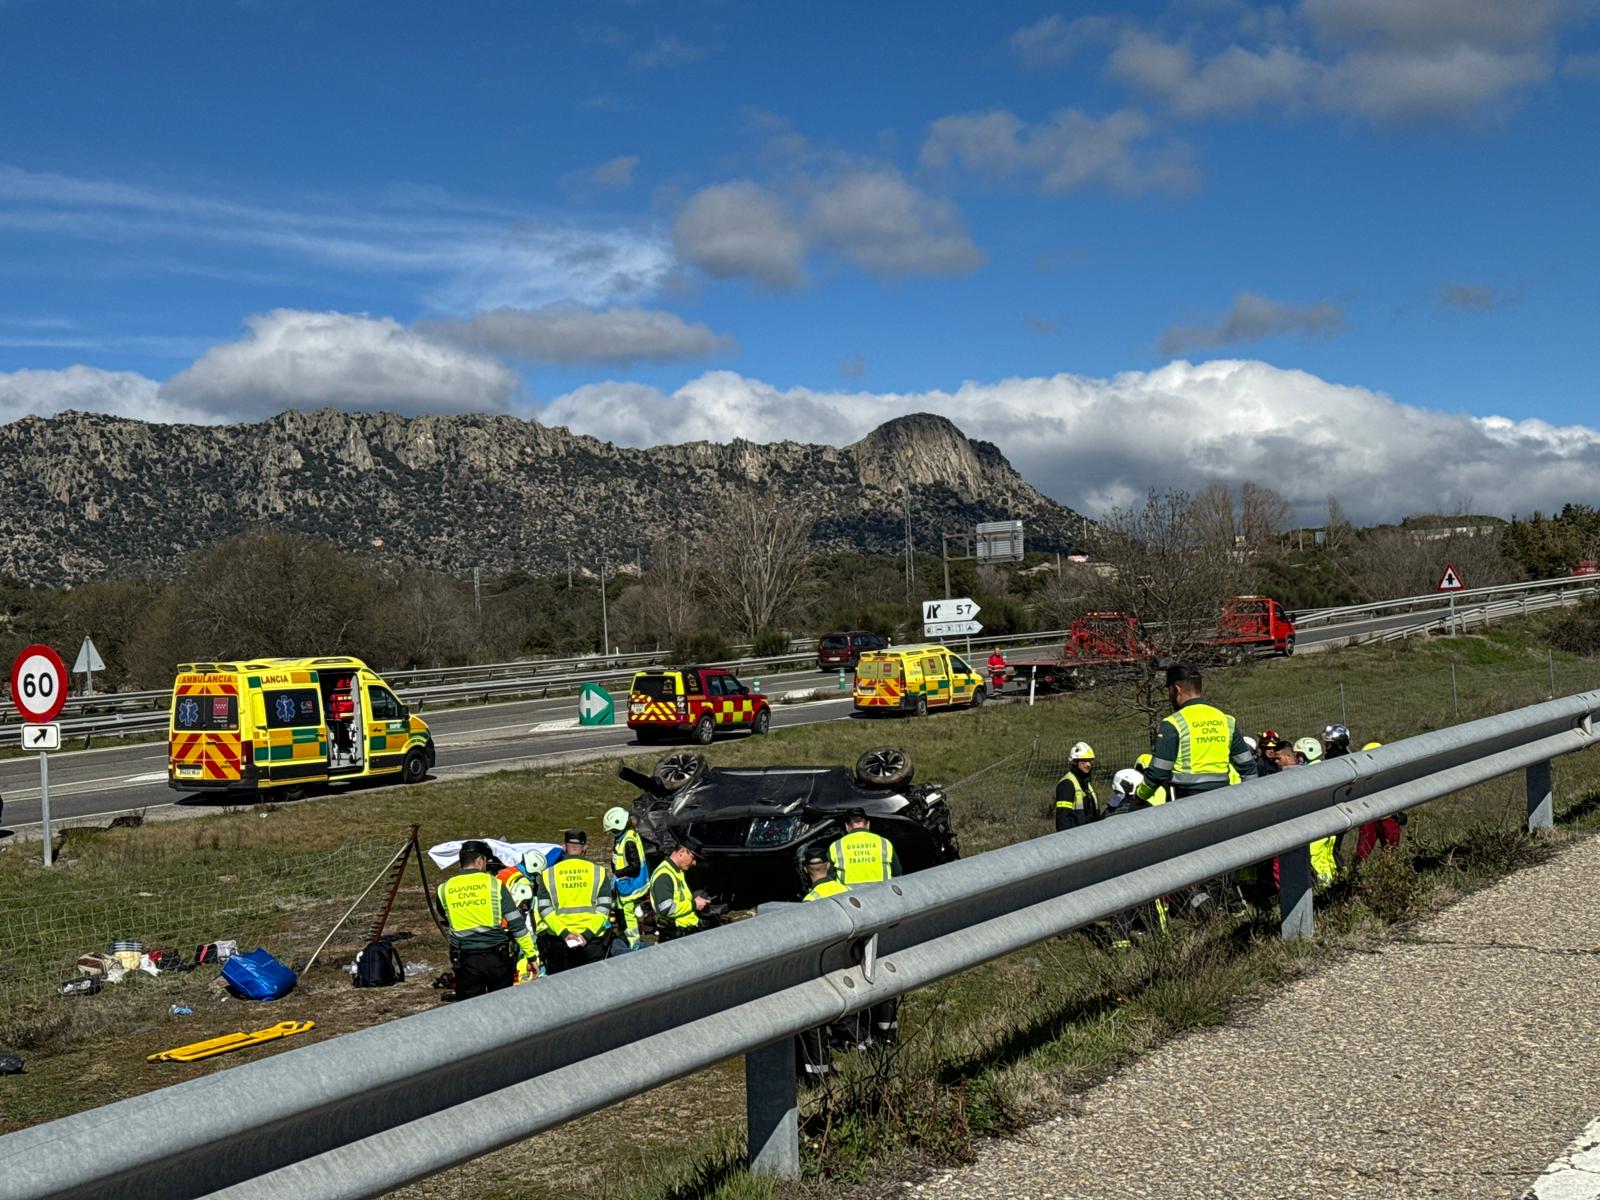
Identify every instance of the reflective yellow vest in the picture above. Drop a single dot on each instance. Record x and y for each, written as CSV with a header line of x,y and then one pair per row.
x,y
684,915
1324,862
861,857
575,889
471,903
629,885
1080,789
828,887
1205,734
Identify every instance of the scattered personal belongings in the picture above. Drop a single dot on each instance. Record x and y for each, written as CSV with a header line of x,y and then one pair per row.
x,y
257,976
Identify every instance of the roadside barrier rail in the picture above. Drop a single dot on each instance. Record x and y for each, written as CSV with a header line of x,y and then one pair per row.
x,y
1564,586
368,1112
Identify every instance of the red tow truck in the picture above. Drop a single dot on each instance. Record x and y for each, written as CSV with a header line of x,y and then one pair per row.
x,y
1255,623
1099,646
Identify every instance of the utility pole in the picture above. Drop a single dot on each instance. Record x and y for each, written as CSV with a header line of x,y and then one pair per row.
x,y
911,567
605,624
569,570
477,590
944,555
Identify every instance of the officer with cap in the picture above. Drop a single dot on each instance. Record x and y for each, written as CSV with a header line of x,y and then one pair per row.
x,y
1076,803
861,856
576,901
1199,747
485,925
679,909
629,866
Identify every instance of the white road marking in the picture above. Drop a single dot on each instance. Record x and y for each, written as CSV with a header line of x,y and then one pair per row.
x,y
153,777
1576,1174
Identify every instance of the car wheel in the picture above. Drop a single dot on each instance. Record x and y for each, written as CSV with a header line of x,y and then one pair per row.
x,y
1288,646
415,767
979,695
921,708
762,723
884,767
704,730
678,771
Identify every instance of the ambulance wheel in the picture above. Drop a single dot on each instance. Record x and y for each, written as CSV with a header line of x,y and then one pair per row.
x,y
415,767
884,767
680,770
762,723
921,709
979,696
704,730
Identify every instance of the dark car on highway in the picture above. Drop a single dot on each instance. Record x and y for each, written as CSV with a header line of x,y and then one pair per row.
x,y
751,826
837,651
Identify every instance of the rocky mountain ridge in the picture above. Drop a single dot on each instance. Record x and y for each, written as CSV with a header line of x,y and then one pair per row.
x,y
90,495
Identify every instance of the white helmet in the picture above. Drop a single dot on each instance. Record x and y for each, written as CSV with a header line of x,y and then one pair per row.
x,y
1251,742
533,863
616,819
1081,750
1311,748
1125,781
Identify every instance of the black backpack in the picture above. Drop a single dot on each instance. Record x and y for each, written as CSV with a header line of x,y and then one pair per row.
x,y
379,965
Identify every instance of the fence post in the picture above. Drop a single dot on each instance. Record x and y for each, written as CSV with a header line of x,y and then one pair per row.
x,y
1550,656
772,1110
1541,806
1344,716
1455,693
1294,893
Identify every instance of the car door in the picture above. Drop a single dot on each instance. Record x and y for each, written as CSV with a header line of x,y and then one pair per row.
x,y
386,727
936,680
963,680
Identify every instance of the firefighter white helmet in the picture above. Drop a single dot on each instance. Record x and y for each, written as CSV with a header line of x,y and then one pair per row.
x,y
1081,750
616,819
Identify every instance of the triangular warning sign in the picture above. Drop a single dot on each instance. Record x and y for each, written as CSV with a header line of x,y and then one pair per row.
x,y
1450,581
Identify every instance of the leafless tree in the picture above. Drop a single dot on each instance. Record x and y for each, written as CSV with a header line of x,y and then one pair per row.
x,y
1263,515
663,607
755,561
1408,560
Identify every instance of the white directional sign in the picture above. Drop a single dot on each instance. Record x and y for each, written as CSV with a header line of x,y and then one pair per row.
x,y
43,737
944,629
936,612
595,706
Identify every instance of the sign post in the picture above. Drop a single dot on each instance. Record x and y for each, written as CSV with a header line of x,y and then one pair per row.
x,y
595,706
39,689
1451,582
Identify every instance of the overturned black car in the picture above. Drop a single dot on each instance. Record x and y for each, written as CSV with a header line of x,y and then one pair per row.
x,y
751,826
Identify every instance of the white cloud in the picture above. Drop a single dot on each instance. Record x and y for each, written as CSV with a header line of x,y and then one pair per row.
x,y
1055,38
1252,318
615,174
740,229
89,389
668,51
1438,24
1226,421
883,224
294,359
1072,150
1235,81
567,333
1453,83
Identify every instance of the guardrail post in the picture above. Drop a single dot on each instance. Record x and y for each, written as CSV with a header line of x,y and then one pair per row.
x,y
772,1110
1294,893
1541,798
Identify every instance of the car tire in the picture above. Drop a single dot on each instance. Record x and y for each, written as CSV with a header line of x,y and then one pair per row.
x,y
979,696
414,769
762,723
680,770
884,767
704,730
1288,646
920,709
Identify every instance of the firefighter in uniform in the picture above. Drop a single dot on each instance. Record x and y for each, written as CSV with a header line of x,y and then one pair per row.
x,y
861,856
677,907
1199,747
486,926
521,888
813,1057
630,868
1076,803
576,899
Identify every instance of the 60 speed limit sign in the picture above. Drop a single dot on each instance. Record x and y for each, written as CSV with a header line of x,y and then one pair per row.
x,y
38,684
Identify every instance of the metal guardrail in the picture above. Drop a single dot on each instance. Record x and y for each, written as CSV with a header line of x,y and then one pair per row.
x,y
1566,583
368,1112
1479,614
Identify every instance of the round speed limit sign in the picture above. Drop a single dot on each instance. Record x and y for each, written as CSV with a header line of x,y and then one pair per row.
x,y
38,684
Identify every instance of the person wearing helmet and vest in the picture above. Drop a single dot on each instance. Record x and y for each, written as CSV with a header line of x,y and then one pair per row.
x,y
1076,803
576,900
1199,747
485,926
1324,851
521,889
861,856
628,864
679,911
813,1055
1384,829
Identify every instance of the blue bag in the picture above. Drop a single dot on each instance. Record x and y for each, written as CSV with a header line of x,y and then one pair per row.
x,y
258,976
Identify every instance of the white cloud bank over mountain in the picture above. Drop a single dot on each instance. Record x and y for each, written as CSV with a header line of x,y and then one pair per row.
x,y
1091,443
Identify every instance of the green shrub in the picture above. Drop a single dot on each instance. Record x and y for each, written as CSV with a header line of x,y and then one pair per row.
x,y
770,643
703,645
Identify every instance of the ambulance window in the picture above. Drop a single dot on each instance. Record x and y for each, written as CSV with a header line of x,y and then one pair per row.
x,y
959,666
657,687
206,713
384,705
293,709
933,667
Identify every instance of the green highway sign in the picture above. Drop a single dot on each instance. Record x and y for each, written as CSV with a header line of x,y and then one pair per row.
x,y
595,706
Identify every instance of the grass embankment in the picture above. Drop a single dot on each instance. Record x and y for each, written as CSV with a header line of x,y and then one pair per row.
x,y
983,1053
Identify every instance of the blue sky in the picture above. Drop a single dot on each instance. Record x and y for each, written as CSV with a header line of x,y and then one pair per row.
x,y
1315,225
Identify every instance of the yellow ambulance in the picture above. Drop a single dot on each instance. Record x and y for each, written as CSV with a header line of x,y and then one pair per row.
x,y
282,724
913,679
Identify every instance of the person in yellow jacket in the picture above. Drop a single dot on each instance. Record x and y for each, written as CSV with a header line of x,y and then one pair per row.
x,y
1076,803
679,910
861,856
629,865
1199,747
813,1058
576,902
485,925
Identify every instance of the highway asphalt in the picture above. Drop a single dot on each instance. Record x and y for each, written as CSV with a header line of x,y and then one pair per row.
x,y
99,784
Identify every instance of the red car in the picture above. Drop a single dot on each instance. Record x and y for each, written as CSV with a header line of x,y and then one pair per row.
x,y
837,651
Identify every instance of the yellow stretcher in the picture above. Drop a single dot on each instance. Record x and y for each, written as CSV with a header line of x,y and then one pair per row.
x,y
230,1041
